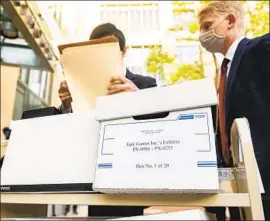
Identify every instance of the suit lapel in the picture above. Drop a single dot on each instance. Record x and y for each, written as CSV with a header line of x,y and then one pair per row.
x,y
233,70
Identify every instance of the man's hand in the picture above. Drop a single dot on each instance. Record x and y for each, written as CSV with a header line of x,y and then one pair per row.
x,y
64,95
121,84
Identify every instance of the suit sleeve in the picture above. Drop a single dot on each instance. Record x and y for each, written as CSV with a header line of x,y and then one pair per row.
x,y
64,110
261,56
143,82
152,82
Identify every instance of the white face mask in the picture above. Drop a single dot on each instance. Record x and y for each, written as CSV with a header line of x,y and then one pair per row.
x,y
211,41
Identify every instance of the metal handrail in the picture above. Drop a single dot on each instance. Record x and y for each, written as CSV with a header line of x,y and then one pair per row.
x,y
25,87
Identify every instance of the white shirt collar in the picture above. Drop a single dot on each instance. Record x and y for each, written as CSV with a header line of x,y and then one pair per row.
x,y
232,49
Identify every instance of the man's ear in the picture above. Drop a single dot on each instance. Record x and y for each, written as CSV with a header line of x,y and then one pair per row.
x,y
124,52
232,20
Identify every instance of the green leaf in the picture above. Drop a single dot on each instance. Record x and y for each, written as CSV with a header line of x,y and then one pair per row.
x,y
188,72
193,27
156,59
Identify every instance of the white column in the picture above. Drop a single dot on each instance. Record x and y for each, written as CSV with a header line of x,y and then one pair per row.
x,y
169,46
166,15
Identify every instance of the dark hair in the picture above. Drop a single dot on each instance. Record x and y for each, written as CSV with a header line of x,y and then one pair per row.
x,y
6,132
109,29
6,129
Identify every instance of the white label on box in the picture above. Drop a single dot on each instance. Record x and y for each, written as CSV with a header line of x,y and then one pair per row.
x,y
181,144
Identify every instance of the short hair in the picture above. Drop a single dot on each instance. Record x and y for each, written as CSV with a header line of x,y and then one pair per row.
x,y
5,129
6,132
109,29
224,8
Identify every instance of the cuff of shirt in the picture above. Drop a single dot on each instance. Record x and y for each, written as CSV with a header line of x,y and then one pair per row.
x,y
65,110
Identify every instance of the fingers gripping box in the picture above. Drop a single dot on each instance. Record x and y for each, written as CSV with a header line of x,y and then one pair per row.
x,y
158,140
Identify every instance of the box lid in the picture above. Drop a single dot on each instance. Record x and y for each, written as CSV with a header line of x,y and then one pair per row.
x,y
37,141
186,95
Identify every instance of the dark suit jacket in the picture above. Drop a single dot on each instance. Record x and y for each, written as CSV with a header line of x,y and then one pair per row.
x,y
248,95
141,82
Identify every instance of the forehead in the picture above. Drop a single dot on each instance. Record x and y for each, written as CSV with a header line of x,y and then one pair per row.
x,y
207,18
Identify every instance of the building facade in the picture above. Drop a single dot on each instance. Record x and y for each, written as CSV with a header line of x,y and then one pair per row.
x,y
144,23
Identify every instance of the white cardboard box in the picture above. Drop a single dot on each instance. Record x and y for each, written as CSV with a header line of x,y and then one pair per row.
x,y
182,215
175,153
50,154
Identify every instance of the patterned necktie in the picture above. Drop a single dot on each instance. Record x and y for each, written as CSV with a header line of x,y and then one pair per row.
x,y
221,113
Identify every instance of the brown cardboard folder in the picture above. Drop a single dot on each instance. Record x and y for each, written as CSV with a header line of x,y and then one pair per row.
x,y
86,43
88,68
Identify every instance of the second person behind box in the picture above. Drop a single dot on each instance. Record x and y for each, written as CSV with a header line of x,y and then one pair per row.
x,y
127,83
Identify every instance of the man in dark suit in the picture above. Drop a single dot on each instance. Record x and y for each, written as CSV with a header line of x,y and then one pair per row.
x,y
244,88
131,82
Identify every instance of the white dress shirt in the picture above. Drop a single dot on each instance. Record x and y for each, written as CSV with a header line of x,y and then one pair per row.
x,y
231,51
